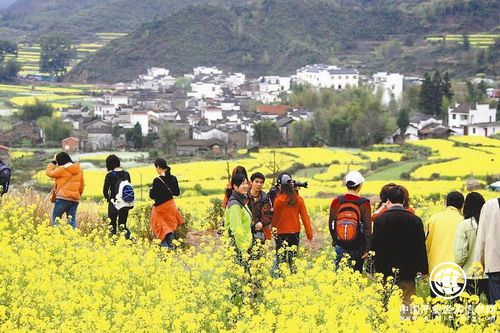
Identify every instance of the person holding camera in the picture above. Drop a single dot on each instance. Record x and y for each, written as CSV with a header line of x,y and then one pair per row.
x,y
289,209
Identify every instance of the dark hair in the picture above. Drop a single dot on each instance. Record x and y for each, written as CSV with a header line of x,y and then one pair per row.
x,y
396,195
237,180
406,204
289,190
383,193
240,170
112,162
257,175
162,164
352,187
472,205
455,199
63,158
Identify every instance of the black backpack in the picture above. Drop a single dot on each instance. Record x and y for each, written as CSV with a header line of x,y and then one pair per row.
x,y
5,174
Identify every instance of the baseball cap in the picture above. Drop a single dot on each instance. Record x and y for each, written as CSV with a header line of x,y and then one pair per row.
x,y
354,178
285,179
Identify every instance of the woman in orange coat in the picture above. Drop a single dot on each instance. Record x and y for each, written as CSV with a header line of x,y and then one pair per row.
x,y
68,187
289,209
165,217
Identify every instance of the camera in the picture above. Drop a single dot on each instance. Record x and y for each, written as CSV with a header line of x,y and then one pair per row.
x,y
296,183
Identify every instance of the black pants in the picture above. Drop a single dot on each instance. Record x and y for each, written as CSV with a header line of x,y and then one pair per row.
x,y
290,245
118,218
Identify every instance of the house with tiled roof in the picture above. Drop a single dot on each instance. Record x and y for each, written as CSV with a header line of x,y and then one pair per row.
x,y
328,76
463,117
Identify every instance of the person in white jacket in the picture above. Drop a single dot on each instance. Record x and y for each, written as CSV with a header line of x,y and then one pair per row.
x,y
488,246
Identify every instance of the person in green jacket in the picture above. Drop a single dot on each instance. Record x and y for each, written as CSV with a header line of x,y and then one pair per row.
x,y
465,243
238,217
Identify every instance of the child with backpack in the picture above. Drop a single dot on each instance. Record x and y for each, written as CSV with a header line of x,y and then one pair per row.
x,y
5,174
350,222
165,217
119,194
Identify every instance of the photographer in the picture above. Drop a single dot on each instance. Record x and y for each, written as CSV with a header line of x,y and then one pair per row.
x,y
288,207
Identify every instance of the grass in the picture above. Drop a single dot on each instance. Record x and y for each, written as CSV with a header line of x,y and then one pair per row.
x,y
394,171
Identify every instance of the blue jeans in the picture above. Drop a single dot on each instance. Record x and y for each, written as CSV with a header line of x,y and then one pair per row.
x,y
62,206
168,242
494,280
354,254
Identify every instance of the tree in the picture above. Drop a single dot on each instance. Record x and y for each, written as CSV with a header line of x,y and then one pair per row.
x,y
303,133
36,110
266,133
466,42
134,137
56,53
9,69
437,94
168,135
446,87
403,121
426,95
54,129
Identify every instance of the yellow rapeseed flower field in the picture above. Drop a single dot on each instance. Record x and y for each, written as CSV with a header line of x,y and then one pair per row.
x,y
55,279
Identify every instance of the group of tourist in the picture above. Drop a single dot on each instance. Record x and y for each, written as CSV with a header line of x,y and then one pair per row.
x,y
118,192
393,237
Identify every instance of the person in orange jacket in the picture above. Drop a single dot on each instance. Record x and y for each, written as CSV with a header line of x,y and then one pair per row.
x,y
69,186
288,208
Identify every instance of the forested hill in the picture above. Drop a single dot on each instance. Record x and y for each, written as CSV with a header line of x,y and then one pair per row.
x,y
277,36
81,17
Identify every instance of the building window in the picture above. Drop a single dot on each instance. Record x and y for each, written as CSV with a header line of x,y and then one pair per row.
x,y
454,116
463,117
340,87
474,131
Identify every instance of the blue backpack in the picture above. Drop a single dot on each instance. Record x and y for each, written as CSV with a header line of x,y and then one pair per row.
x,y
125,195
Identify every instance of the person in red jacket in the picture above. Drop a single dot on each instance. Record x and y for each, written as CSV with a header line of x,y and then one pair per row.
x,y
289,208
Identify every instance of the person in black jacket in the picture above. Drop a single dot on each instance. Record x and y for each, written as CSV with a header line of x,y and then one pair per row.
x,y
165,217
399,244
110,189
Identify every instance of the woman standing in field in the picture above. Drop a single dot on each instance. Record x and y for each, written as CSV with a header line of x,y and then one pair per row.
x,y
238,218
165,217
465,243
68,188
229,188
289,208
117,209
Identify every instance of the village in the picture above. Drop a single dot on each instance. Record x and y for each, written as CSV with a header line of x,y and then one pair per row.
x,y
215,111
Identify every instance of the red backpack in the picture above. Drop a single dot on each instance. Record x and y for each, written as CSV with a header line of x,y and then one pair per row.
x,y
347,223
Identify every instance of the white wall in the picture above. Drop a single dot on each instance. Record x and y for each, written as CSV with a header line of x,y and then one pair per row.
x,y
390,84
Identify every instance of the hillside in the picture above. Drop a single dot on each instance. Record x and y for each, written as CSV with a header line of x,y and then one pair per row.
x,y
6,3
279,36
80,18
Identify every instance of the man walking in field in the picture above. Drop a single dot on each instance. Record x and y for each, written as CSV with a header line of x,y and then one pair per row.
x,y
350,222
441,232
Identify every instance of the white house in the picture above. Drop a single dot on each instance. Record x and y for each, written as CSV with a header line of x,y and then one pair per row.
x,y
207,133
235,79
483,129
211,113
116,100
104,110
390,85
205,90
328,76
462,116
142,118
201,70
